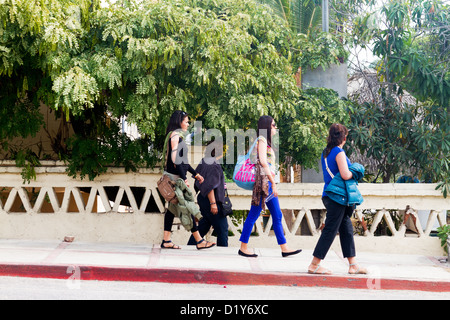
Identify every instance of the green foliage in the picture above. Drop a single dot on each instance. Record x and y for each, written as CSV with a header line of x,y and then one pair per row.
x,y
323,50
411,39
310,47
443,234
403,139
75,91
92,156
301,16
225,62
22,120
28,161
412,42
304,138
205,57
35,40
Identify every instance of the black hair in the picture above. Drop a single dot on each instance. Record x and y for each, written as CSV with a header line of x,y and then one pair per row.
x,y
265,128
214,149
175,121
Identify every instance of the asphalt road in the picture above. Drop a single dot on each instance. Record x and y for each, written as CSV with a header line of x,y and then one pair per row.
x,y
49,289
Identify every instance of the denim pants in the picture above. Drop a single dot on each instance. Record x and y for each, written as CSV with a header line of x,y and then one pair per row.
x,y
338,220
274,207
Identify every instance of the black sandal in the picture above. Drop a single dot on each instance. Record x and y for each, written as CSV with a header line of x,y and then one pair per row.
x,y
205,247
172,247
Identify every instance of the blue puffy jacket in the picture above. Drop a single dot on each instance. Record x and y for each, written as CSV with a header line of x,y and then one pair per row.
x,y
346,192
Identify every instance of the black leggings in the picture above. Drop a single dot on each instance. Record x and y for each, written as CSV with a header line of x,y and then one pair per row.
x,y
168,222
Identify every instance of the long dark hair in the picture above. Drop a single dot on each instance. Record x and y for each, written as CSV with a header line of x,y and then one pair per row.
x,y
336,136
175,121
265,128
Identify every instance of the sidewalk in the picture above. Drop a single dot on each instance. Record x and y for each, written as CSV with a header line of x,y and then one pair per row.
x,y
133,262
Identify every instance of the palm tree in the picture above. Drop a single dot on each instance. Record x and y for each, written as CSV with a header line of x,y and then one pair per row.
x,y
301,16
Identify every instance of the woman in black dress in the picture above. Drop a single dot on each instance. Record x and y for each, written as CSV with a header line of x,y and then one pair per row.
x,y
178,165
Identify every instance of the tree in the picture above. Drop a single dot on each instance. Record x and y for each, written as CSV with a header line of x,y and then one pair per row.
x,y
303,137
412,39
214,59
225,62
142,60
311,48
34,36
300,16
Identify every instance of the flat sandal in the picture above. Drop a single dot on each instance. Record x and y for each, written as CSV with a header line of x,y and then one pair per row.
x,y
326,272
359,270
174,246
205,247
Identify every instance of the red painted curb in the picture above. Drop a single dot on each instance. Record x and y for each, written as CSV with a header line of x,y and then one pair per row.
x,y
216,277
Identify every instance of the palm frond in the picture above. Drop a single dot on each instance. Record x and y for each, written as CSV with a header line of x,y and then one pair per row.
x,y
301,16
280,8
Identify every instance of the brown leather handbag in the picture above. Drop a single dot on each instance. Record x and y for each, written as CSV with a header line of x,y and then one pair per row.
x,y
167,189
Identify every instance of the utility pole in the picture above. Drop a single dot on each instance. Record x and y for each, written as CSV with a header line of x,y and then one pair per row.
x,y
325,16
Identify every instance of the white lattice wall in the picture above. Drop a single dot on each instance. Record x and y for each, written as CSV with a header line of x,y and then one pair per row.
x,y
56,205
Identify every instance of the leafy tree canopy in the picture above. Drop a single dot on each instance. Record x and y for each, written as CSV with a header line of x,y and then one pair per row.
x,y
412,41
225,62
412,38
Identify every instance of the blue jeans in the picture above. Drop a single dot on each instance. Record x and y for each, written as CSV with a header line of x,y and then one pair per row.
x,y
274,207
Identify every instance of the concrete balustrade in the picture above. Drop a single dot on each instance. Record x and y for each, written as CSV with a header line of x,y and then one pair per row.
x,y
126,207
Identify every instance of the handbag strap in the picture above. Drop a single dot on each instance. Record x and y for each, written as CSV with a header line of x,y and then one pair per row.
x,y
252,147
166,151
328,169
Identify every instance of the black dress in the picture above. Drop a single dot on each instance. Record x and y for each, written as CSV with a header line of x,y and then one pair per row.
x,y
181,165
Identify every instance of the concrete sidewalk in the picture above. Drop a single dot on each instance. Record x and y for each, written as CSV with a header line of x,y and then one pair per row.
x,y
133,262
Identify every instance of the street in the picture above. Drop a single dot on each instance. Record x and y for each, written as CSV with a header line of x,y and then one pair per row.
x,y
12,288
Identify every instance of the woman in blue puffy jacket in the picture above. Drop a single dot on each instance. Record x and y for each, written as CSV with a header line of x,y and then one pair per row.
x,y
334,161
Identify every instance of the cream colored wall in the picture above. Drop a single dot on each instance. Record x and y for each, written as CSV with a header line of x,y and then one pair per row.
x,y
59,208
41,143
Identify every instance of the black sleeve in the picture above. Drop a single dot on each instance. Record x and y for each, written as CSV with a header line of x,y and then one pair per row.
x,y
192,170
212,180
181,171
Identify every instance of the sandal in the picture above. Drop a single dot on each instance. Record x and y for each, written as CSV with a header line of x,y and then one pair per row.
x,y
174,246
359,270
316,271
206,246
